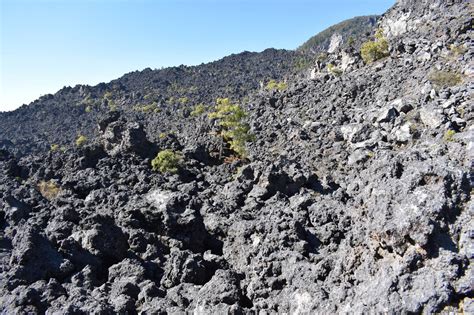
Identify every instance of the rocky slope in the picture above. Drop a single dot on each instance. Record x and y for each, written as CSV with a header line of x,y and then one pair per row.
x,y
355,196
60,118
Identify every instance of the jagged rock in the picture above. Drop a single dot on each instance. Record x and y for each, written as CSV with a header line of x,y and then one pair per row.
x,y
431,117
387,114
184,267
336,40
403,134
119,138
401,105
104,240
34,257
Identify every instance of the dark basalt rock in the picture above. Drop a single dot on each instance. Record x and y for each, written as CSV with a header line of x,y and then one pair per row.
x,y
355,196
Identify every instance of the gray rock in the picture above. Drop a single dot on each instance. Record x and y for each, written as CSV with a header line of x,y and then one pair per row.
x,y
387,114
431,117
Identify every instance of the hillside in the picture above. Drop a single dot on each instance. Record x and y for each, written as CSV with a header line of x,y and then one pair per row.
x,y
350,31
72,111
353,193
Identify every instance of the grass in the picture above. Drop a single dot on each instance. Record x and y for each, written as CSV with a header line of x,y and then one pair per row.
x,y
274,85
445,78
49,189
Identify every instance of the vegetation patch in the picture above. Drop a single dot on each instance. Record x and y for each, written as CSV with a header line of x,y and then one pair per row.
x,y
183,100
234,130
445,78
457,50
81,141
108,97
274,85
199,110
149,108
334,70
166,161
449,135
49,189
374,50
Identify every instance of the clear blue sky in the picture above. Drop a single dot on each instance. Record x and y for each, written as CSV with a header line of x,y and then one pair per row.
x,y
48,44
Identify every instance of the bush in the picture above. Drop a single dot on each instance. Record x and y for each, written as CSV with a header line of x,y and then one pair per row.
x,y
334,70
149,108
81,140
233,130
443,79
274,85
112,105
449,135
49,189
108,95
166,161
198,110
183,100
374,50
54,147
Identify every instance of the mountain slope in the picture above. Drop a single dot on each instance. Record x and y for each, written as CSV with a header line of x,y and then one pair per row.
x,y
60,118
353,30
355,196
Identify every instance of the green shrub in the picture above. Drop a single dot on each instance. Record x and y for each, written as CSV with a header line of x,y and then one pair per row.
x,y
153,107
149,96
274,85
374,50
199,110
351,41
88,109
81,140
449,135
443,79
334,70
322,57
54,147
108,95
166,161
170,101
233,129
112,105
183,100
110,102
89,101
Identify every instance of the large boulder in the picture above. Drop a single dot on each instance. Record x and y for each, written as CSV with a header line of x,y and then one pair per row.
x,y
120,137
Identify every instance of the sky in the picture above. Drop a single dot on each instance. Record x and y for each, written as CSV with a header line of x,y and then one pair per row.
x,y
48,44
